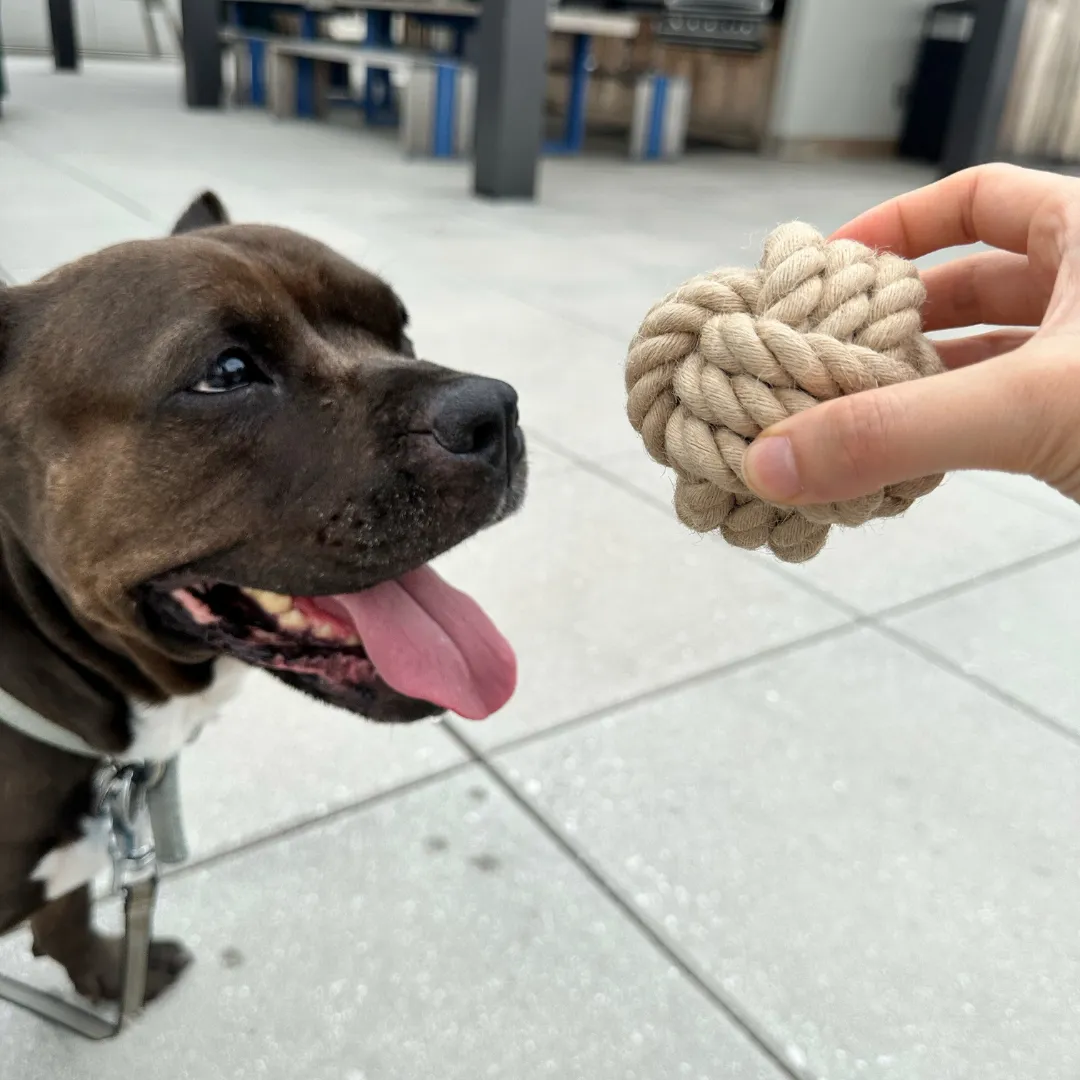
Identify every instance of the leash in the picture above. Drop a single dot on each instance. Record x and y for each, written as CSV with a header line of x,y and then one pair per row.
x,y
137,805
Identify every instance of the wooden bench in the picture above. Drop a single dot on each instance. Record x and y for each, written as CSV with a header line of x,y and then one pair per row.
x,y
247,49
434,105
303,65
299,74
437,95
659,119
439,114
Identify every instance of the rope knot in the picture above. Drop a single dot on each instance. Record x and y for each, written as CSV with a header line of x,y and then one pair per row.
x,y
730,353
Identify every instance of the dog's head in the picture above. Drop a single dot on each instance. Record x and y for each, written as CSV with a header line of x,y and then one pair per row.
x,y
221,442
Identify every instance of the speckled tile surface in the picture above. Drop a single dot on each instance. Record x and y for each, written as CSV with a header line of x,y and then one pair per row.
x,y
439,935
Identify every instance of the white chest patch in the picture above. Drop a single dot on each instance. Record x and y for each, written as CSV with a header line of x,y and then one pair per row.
x,y
160,732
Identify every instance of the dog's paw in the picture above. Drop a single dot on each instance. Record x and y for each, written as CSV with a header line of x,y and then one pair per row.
x,y
100,981
168,961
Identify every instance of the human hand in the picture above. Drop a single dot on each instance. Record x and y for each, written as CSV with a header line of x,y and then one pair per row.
x,y
1010,400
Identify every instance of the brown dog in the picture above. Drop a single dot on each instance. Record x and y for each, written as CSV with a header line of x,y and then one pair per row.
x,y
221,444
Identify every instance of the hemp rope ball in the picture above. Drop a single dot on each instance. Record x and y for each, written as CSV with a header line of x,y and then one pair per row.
x,y
730,353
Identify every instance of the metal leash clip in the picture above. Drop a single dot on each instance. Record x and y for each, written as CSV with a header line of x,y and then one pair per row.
x,y
128,800
121,799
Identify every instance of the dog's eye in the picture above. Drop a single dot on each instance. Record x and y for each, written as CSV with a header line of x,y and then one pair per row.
x,y
232,370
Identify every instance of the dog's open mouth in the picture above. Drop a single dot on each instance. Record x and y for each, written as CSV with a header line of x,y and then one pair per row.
x,y
416,635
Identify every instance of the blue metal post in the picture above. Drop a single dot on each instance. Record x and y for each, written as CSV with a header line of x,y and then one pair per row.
x,y
654,141
579,90
378,90
577,100
446,76
305,68
257,51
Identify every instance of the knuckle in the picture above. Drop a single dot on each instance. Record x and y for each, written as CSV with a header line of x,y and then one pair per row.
x,y
1049,448
998,170
1053,224
862,427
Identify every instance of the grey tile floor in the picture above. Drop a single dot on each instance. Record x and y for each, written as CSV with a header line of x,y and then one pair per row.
x,y
741,821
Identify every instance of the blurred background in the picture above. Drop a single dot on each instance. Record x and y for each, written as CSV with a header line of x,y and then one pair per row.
x,y
782,77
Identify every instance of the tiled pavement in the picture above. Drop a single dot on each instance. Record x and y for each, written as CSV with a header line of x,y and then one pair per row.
x,y
742,821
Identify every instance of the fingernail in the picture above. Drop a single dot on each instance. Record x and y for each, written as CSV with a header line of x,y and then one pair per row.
x,y
769,469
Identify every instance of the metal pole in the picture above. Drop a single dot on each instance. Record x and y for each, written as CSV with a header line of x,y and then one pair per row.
x,y
65,43
984,83
202,53
511,61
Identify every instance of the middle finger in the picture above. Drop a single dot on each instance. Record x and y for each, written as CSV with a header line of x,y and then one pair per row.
x,y
992,287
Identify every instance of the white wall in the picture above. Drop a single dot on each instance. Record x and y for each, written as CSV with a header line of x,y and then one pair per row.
x,y
111,26
843,64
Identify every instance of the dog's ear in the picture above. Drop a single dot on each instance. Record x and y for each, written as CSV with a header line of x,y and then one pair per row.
x,y
205,211
407,347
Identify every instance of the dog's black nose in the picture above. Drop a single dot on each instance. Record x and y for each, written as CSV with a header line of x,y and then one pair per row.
x,y
476,417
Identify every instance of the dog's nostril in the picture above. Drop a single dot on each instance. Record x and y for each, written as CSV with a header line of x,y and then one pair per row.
x,y
484,436
474,417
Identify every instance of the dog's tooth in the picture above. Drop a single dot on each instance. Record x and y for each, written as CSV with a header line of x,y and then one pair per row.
x,y
292,620
352,639
325,631
271,602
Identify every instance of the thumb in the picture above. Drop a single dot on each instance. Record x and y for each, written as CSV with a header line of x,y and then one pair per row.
x,y
1012,413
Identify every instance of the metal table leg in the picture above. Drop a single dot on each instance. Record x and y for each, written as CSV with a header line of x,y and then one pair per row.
x,y
305,68
577,100
379,105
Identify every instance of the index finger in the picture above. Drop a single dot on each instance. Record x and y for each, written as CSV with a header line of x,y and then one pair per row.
x,y
995,204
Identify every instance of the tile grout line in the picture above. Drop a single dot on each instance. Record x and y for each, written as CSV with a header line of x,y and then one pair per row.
x,y
980,478
736,1015
88,181
996,573
307,824
489,756
616,481
654,693
948,591
944,663
873,620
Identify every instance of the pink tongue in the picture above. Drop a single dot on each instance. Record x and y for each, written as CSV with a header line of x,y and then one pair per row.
x,y
428,640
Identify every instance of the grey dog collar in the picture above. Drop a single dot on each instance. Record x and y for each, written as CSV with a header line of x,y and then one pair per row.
x,y
33,725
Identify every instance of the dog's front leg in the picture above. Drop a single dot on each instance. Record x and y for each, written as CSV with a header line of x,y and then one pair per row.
x,y
63,930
